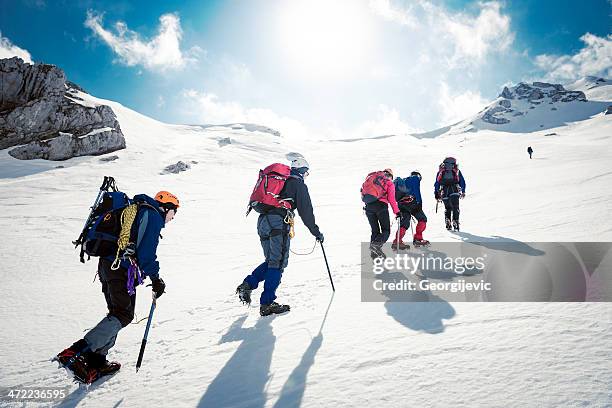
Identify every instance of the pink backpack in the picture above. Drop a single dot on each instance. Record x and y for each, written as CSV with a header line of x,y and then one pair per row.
x,y
265,195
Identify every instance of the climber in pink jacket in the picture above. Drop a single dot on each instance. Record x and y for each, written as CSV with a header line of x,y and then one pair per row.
x,y
377,192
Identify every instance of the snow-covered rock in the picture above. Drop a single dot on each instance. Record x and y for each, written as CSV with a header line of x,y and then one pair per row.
x,y
536,94
38,105
67,145
176,168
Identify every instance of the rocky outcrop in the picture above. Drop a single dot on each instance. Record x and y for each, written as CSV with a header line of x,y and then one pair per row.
x,y
67,145
539,90
520,99
42,113
178,167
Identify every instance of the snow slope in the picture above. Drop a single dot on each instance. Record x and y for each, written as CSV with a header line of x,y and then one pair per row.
x,y
207,350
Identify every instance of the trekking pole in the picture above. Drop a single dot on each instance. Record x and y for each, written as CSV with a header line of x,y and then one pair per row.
x,y
146,334
437,202
327,265
411,227
399,225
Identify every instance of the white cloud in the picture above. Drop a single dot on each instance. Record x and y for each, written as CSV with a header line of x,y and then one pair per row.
x,y
388,11
475,37
387,122
160,53
595,58
455,107
209,109
9,50
460,37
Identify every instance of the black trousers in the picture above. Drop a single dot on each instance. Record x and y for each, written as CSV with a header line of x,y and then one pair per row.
x,y
114,286
410,210
378,217
451,207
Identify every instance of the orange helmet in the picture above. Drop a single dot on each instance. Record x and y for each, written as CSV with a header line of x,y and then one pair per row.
x,y
168,200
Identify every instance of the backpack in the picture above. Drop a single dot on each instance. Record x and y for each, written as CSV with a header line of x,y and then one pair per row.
x,y
402,191
448,174
101,232
100,237
270,183
373,187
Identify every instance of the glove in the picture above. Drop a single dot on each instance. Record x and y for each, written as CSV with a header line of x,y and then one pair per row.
x,y
158,286
320,237
437,195
398,216
462,195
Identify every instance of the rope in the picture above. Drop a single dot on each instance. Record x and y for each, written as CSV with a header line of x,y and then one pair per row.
x,y
306,253
127,219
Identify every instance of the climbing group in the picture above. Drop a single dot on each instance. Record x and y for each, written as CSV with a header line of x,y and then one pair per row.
x,y
124,234
380,190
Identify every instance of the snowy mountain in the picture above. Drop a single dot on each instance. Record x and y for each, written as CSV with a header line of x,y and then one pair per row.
x,y
594,88
207,350
537,106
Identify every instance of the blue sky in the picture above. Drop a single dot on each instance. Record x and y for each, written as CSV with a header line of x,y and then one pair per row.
x,y
351,68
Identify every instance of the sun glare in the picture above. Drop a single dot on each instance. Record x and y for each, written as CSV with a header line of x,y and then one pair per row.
x,y
325,38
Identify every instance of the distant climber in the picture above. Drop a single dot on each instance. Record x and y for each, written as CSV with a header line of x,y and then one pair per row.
x,y
530,151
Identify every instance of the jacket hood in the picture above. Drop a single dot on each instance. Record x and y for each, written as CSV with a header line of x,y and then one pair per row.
x,y
151,201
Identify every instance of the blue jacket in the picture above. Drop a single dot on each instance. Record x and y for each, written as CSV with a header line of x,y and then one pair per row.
x,y
461,183
147,228
408,186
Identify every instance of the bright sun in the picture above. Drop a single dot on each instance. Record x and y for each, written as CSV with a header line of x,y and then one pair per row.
x,y
325,38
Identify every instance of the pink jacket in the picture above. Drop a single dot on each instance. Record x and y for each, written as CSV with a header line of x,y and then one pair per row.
x,y
390,196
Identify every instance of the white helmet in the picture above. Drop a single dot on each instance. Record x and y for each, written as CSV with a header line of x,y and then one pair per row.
x,y
299,162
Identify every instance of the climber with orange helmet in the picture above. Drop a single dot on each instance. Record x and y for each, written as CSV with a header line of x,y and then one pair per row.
x,y
87,357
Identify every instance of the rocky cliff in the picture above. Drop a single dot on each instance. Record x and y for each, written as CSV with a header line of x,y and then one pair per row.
x,y
41,113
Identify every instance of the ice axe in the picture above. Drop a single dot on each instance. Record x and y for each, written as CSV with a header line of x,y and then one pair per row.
x,y
146,333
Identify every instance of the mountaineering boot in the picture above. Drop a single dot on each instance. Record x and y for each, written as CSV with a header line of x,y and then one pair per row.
x,y
449,225
273,308
101,364
420,242
402,246
455,225
69,355
376,251
83,372
109,367
244,293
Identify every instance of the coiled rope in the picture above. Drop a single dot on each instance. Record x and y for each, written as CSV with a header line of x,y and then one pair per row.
x,y
128,215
